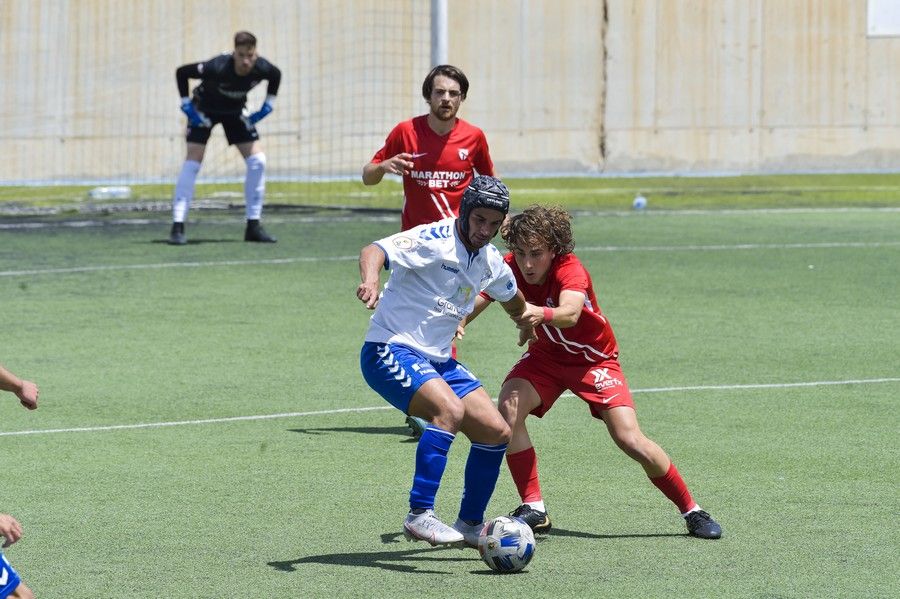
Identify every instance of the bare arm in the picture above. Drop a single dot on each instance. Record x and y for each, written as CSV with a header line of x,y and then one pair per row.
x,y
563,316
569,310
520,310
371,261
481,305
374,172
10,530
26,391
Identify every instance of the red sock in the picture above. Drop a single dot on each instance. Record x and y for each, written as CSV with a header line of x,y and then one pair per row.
x,y
673,487
523,467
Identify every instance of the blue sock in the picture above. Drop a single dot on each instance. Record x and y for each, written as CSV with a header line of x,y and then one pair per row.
x,y
431,459
482,470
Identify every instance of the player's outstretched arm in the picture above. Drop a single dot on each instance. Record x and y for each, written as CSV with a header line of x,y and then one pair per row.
x,y
481,304
26,391
518,309
10,530
374,172
371,261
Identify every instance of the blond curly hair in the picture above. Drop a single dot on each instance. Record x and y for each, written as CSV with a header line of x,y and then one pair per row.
x,y
539,224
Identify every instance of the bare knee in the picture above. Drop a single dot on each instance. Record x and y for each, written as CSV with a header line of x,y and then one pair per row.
x,y
447,415
633,443
515,405
501,432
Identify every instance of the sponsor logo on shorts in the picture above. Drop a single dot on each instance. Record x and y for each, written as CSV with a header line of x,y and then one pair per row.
x,y
604,380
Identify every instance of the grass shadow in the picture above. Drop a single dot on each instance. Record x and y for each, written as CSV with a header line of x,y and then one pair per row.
x,y
421,560
195,241
562,532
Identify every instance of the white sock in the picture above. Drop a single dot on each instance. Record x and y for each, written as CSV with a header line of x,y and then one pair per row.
x,y
255,185
538,505
693,509
184,190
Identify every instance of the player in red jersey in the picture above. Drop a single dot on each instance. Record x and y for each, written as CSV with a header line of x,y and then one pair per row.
x,y
437,153
575,349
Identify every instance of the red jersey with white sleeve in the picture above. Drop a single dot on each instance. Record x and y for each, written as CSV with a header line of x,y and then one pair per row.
x,y
592,339
444,166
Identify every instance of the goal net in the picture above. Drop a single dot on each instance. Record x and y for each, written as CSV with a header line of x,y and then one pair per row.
x,y
91,94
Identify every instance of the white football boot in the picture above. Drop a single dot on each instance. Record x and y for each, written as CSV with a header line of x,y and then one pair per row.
x,y
426,527
470,532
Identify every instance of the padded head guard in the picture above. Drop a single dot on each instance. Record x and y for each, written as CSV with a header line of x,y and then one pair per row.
x,y
483,192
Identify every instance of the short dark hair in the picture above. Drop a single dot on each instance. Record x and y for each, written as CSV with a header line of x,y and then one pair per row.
x,y
446,70
244,38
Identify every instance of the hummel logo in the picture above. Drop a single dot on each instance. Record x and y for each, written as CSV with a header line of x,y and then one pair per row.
x,y
420,154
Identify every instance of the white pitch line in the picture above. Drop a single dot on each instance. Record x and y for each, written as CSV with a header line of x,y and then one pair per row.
x,y
767,385
115,427
92,429
160,265
738,246
611,248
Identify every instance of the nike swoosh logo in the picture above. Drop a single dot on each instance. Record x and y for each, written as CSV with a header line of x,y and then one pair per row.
x,y
612,397
420,155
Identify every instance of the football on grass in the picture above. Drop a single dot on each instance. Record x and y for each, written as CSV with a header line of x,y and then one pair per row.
x,y
506,544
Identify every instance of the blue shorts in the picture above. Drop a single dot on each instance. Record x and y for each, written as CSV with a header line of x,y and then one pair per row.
x,y
396,372
9,579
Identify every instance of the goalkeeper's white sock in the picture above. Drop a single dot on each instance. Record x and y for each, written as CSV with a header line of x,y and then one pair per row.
x,y
184,190
537,505
255,185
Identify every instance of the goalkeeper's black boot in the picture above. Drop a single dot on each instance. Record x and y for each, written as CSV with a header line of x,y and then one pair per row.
x,y
538,521
700,524
255,232
176,235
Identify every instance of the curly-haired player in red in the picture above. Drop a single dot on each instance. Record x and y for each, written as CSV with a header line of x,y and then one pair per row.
x,y
575,350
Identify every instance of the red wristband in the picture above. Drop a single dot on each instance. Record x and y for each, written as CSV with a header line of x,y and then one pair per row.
x,y
548,314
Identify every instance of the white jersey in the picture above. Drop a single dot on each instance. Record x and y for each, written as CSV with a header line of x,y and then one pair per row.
x,y
433,284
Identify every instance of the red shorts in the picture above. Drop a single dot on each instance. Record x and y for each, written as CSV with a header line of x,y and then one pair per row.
x,y
601,384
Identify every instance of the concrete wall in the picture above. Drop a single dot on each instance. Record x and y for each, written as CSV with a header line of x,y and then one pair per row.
x,y
749,85
574,86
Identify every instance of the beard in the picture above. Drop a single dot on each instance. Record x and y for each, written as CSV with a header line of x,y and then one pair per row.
x,y
444,113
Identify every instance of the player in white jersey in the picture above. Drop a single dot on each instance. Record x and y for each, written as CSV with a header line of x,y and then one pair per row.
x,y
437,270
11,584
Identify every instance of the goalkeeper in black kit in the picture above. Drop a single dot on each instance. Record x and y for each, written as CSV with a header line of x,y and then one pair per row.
x,y
221,98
